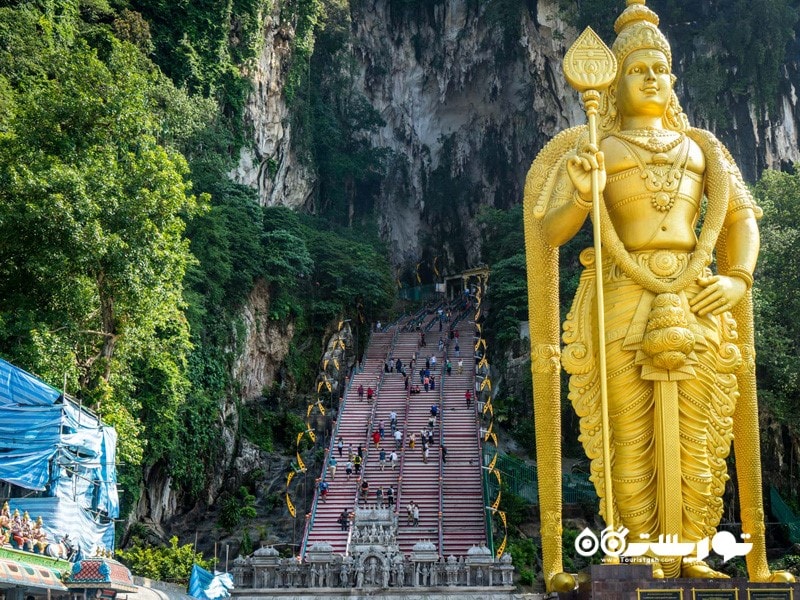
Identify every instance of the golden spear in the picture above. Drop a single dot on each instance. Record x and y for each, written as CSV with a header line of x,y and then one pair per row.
x,y
590,67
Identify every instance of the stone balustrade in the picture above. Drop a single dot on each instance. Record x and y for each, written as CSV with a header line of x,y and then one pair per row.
x,y
373,560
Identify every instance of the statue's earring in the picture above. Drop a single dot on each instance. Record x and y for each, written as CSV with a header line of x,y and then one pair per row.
x,y
610,108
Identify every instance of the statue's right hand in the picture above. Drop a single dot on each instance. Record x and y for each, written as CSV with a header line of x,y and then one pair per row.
x,y
580,167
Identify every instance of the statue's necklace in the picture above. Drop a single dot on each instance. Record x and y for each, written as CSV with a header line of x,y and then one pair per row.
x,y
660,177
648,140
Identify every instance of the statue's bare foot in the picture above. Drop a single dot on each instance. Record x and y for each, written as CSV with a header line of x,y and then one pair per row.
x,y
658,572
781,577
562,582
700,570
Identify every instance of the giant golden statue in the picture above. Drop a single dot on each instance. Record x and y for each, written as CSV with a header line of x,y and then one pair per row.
x,y
674,380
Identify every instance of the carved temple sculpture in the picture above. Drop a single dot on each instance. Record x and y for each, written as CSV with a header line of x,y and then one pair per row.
x,y
673,382
374,561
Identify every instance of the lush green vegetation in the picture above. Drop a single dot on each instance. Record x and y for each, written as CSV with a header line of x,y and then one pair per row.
x,y
127,253
171,563
92,217
776,301
235,508
201,46
525,557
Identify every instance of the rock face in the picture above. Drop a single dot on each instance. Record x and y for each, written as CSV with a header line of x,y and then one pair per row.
x,y
270,164
455,101
466,107
263,344
759,142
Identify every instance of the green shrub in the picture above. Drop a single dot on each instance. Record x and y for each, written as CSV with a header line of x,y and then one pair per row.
x,y
235,508
525,557
163,563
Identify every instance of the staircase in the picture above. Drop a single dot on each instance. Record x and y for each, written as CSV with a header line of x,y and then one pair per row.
x,y
352,424
420,480
392,397
449,496
463,523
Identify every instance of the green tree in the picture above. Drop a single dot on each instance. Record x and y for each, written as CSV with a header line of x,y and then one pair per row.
x,y
337,121
171,563
775,294
92,213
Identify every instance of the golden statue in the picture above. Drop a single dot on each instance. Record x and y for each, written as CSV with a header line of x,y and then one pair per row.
x,y
674,382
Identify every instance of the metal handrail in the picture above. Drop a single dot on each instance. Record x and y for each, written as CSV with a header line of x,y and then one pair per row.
x,y
484,470
441,463
406,437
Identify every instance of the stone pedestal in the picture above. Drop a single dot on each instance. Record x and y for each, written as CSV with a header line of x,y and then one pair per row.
x,y
635,582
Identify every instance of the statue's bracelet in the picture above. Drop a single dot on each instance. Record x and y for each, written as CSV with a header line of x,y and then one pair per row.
x,y
742,273
580,202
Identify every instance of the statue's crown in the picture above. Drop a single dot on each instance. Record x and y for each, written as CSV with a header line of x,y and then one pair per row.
x,y
637,28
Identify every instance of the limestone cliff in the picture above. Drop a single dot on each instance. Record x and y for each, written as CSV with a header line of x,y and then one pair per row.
x,y
466,108
456,106
261,344
270,164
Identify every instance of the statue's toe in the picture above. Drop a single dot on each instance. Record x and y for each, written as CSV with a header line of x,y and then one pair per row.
x,y
562,582
781,577
700,570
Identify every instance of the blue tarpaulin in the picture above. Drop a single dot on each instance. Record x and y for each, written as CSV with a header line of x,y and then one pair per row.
x,y
62,517
51,445
204,585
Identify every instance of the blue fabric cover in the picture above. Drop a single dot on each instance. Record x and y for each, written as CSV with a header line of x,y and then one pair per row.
x,y
204,585
62,517
54,446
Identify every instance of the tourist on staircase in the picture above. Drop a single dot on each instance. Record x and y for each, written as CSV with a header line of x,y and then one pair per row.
x,y
357,464
323,490
344,520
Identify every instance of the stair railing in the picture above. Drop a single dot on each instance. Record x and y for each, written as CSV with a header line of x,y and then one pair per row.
x,y
406,437
441,444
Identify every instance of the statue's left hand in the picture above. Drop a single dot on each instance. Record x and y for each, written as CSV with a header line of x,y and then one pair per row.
x,y
719,293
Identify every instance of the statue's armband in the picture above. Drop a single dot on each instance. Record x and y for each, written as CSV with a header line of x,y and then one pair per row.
x,y
741,204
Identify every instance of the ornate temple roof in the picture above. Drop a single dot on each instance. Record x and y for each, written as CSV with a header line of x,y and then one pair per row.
x,y
98,572
30,575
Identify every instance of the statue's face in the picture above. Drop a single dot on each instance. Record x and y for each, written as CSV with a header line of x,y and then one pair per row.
x,y
645,84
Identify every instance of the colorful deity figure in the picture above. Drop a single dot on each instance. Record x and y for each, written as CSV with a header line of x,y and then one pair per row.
x,y
17,533
38,535
5,517
677,319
